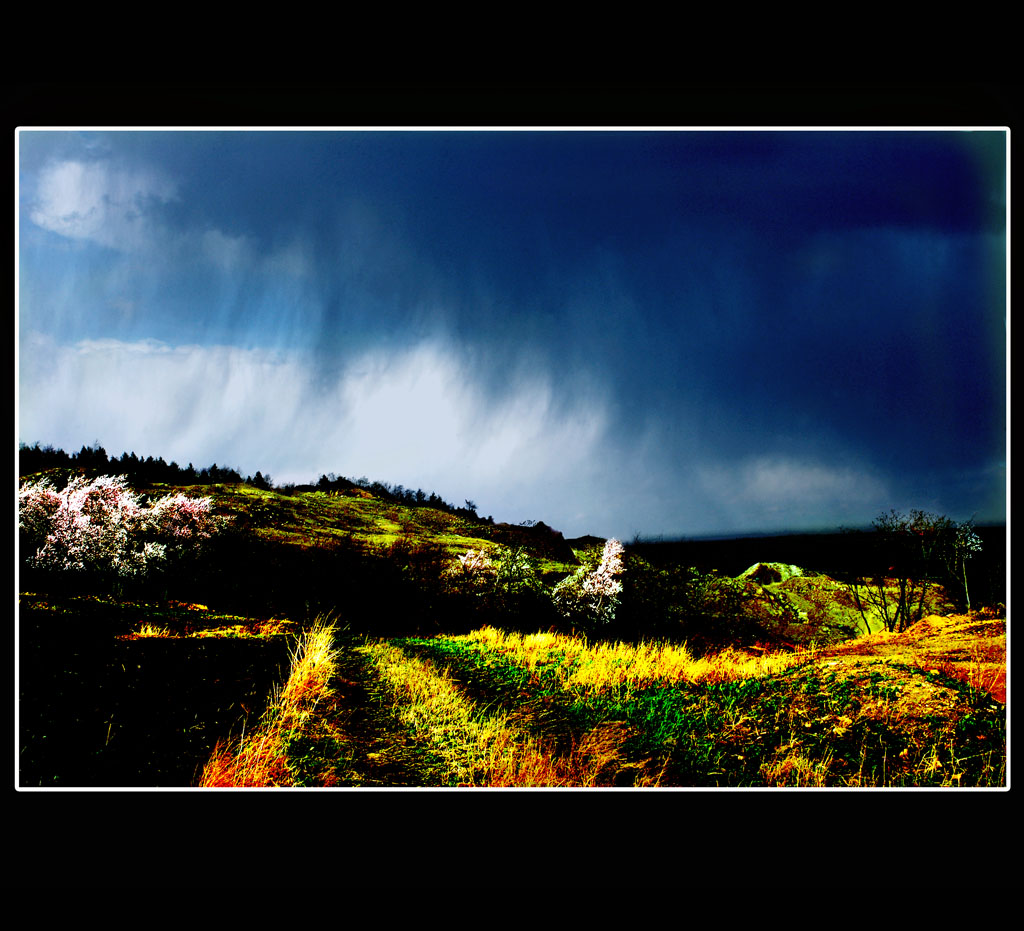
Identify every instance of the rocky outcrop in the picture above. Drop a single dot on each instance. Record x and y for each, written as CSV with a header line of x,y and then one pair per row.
x,y
767,572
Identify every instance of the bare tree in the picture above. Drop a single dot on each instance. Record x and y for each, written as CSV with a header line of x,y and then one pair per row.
x,y
911,554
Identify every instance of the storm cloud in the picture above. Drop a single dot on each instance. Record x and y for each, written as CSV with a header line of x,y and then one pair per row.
x,y
617,332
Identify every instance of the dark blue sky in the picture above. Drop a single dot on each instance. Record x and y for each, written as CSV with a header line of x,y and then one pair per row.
x,y
617,331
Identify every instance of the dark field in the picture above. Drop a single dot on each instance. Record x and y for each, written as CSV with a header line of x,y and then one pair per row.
x,y
98,711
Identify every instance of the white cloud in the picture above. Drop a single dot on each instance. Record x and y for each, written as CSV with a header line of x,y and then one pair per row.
x,y
418,417
101,348
413,417
420,414
802,492
98,202
787,481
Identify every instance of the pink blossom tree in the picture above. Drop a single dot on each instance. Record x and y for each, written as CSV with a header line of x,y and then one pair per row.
x,y
100,527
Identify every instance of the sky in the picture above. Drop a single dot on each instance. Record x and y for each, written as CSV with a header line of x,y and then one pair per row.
x,y
621,332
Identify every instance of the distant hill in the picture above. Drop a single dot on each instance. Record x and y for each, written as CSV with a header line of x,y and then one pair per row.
x,y
833,554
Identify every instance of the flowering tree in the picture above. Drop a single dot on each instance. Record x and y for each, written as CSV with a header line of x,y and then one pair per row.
x,y
475,562
591,595
963,543
473,572
100,527
510,573
502,584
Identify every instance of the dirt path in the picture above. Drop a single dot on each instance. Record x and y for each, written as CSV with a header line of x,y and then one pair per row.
x,y
382,753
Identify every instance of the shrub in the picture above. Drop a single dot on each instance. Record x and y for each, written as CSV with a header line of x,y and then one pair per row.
x,y
503,587
961,544
515,574
654,600
520,598
707,610
100,528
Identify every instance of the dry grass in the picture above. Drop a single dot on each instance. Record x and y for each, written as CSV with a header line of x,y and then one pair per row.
x,y
795,770
969,647
244,630
256,761
259,759
247,629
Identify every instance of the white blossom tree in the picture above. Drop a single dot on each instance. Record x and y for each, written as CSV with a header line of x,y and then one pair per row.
x,y
590,597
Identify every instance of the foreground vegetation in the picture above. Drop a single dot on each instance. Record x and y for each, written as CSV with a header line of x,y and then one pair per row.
x,y
334,638
499,710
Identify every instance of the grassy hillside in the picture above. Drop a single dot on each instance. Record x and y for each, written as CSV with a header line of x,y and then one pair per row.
x,y
316,519
337,640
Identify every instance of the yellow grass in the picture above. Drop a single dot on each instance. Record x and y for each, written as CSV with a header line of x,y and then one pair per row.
x,y
247,629
796,770
602,666
244,630
480,749
258,760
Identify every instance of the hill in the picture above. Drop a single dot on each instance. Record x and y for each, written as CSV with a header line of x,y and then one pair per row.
x,y
436,669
